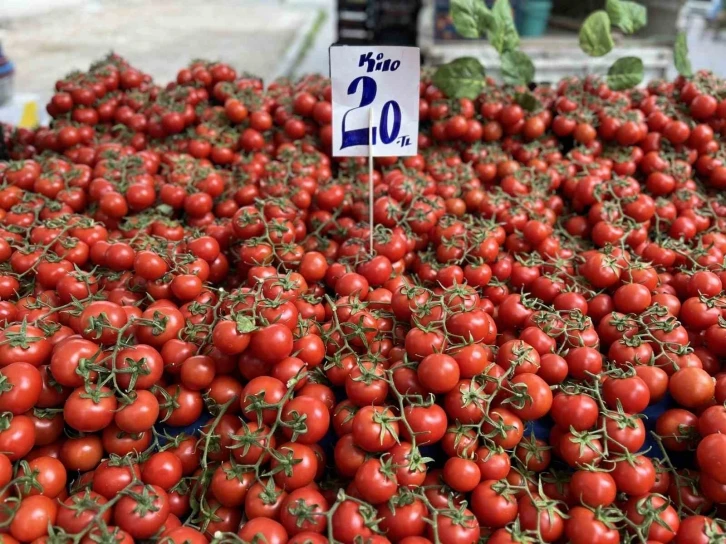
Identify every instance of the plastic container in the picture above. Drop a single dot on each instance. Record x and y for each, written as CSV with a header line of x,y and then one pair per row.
x,y
532,17
6,78
662,19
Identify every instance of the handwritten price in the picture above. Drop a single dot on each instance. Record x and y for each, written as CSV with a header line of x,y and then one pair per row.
x,y
375,103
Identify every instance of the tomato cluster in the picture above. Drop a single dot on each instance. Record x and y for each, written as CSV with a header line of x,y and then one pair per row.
x,y
198,344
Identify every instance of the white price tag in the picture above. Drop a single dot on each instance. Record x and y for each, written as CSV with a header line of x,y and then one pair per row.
x,y
384,79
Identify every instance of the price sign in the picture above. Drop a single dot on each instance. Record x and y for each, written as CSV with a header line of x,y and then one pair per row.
x,y
375,100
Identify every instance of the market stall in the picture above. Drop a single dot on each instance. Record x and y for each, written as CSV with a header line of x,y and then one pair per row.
x,y
478,301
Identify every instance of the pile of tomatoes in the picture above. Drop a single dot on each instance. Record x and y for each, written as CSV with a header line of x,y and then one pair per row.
x,y
197,343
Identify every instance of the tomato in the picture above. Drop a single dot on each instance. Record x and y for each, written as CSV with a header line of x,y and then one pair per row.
x,y
6,469
142,513
703,106
113,476
518,355
655,378
583,361
231,484
585,527
593,488
306,419
180,406
691,387
250,442
138,367
577,411
349,521
553,368
472,359
427,422
348,456
504,428
376,481
101,321
272,343
32,518
492,506
632,393
697,529
263,529
20,387
676,427
411,470
578,451
634,477
532,516
51,477
710,458
298,464
654,506
24,344
78,510
493,464
181,535
536,396
140,414
116,442
375,429
403,518
303,510
166,324
17,436
83,453
456,527
264,499
149,265
420,343
228,338
260,396
365,384
71,360
162,469
90,409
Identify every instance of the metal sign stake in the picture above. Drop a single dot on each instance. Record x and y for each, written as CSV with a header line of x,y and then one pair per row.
x,y
370,177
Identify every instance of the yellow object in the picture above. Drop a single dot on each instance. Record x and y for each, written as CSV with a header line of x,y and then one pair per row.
x,y
29,119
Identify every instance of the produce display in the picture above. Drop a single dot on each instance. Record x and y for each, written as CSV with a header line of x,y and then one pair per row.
x,y
197,344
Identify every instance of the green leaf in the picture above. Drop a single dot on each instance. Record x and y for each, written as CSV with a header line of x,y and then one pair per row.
x,y
627,16
503,34
616,12
680,56
471,17
245,324
461,78
625,73
165,209
527,100
595,37
517,68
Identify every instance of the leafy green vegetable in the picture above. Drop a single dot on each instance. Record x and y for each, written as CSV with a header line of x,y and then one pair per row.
x,y
627,16
680,56
527,100
595,37
471,18
625,73
461,78
503,34
517,68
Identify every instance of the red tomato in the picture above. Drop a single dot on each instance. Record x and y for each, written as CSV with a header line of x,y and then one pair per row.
x,y
142,513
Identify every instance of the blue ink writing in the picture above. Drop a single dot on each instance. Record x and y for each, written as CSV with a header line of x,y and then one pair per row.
x,y
379,64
